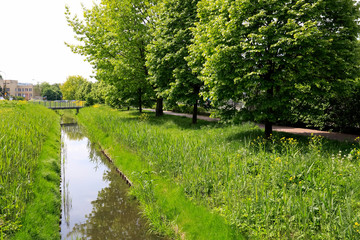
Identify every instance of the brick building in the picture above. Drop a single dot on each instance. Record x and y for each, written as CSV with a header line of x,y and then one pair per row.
x,y
14,88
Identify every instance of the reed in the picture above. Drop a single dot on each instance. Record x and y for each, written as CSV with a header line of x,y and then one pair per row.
x,y
283,188
23,131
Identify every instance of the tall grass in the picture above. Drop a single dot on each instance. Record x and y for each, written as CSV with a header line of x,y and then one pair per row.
x,y
23,130
283,188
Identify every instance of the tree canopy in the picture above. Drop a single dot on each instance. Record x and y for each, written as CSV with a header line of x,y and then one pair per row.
x,y
268,53
168,50
113,37
71,86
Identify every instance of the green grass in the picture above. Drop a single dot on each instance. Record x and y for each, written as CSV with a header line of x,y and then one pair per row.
x,y
30,172
286,188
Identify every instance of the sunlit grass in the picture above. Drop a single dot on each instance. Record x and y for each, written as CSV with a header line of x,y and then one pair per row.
x,y
283,188
23,131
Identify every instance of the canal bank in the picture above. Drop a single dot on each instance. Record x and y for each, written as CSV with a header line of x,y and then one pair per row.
x,y
95,200
162,200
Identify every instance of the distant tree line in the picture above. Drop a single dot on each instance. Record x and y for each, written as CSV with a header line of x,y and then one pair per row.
x,y
293,62
48,91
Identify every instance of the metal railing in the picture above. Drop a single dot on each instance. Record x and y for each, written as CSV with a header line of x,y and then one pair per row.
x,y
61,104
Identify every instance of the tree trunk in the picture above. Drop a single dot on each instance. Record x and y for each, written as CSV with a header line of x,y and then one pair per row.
x,y
195,111
140,100
159,107
268,129
270,112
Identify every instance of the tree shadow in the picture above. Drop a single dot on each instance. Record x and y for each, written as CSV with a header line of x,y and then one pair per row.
x,y
181,122
328,146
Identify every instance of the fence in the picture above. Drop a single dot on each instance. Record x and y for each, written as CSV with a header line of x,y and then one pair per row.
x,y
61,104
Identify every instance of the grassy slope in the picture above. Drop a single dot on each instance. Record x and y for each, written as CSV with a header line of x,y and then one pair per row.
x,y
42,215
283,188
163,201
30,171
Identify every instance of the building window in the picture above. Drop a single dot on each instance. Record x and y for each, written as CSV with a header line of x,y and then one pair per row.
x,y
8,89
26,89
30,95
19,89
19,94
30,89
23,90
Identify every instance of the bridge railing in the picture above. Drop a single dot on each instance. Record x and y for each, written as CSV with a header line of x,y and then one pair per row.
x,y
61,103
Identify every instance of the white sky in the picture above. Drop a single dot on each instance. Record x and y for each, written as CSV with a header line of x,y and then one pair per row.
x,y
32,36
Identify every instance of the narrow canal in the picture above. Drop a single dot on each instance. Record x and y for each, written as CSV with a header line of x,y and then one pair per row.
x,y
95,204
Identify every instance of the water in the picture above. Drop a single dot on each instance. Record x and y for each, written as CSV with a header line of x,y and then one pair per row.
x,y
95,204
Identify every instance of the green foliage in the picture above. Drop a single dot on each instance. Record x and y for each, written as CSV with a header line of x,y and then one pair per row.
x,y
281,188
167,51
113,36
83,91
163,200
70,87
50,91
24,134
336,110
181,108
268,54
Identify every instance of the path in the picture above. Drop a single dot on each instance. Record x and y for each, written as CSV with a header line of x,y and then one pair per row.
x,y
293,130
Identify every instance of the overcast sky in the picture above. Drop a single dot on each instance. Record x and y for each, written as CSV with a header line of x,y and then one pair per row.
x,y
32,36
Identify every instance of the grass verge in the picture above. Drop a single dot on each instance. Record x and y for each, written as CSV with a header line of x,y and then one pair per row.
x,y
163,201
284,188
30,167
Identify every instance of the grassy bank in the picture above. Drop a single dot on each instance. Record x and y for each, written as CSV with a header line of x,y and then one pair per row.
x,y
279,189
30,172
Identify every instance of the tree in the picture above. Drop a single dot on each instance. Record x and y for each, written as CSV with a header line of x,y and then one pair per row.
x,y
168,50
71,86
114,36
268,54
83,91
51,92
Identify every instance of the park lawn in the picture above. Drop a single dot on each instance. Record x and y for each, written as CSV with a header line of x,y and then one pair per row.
x,y
30,172
214,181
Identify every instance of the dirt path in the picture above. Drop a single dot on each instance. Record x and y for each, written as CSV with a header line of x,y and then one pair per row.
x,y
293,130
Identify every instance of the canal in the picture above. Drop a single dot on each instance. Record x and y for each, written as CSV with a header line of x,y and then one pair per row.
x,y
95,203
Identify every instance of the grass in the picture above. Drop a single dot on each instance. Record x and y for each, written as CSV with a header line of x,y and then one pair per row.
x,y
284,188
30,172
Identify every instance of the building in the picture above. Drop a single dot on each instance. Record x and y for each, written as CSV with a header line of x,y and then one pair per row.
x,y
14,88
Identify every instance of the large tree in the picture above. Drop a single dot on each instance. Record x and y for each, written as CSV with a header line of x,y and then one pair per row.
x,y
113,36
71,86
267,53
168,50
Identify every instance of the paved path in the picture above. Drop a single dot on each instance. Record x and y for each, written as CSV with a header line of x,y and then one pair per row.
x,y
293,130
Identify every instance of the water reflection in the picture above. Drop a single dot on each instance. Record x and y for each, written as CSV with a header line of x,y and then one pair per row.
x,y
95,201
73,131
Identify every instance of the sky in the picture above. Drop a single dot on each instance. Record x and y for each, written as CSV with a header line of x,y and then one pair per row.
x,y
32,36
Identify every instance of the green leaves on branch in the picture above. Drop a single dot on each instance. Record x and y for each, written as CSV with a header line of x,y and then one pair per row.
x,y
113,36
167,52
262,53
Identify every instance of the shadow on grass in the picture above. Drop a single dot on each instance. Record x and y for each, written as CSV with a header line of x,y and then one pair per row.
x,y
256,134
252,133
167,120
